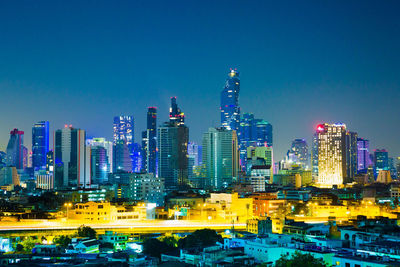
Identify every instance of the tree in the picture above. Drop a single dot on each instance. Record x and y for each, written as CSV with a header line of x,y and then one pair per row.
x,y
154,247
62,241
299,259
86,231
19,248
200,238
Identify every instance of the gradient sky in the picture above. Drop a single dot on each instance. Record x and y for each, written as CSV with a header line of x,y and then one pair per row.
x,y
300,63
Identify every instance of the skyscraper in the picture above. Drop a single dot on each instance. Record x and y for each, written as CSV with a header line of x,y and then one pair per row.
x,y
108,145
123,129
176,116
264,133
300,149
124,136
351,156
220,157
173,137
381,160
122,161
40,144
314,156
253,132
71,158
149,142
331,154
230,110
100,166
15,149
363,159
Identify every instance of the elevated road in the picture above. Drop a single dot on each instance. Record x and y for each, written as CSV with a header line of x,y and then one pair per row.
x,y
50,227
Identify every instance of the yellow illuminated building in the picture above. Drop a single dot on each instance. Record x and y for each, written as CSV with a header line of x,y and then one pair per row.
x,y
331,154
100,212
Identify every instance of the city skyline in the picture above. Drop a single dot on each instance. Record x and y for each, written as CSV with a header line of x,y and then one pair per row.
x,y
293,74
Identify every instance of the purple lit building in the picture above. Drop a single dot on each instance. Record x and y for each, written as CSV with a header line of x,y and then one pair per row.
x,y
363,157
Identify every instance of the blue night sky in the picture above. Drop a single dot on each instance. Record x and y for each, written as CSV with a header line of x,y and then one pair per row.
x,y
300,62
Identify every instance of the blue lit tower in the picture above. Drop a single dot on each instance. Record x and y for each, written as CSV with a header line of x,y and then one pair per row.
x,y
40,144
149,142
230,110
124,136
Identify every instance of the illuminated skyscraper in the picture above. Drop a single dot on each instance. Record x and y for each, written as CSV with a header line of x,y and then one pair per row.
x,y
381,160
363,158
71,158
15,149
300,150
40,144
331,154
230,110
100,166
124,136
124,129
172,141
122,161
253,132
264,133
149,142
220,157
176,116
351,156
314,156
108,145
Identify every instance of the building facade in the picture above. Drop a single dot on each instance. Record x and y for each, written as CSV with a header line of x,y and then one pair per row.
x,y
220,157
149,142
230,110
40,144
15,149
71,158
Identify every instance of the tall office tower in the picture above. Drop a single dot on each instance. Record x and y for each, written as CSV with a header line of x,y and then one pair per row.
x,y
40,144
230,110
264,133
15,149
124,131
176,116
300,150
172,154
100,166
195,151
220,157
149,142
108,145
122,161
363,158
331,154
137,157
253,132
314,157
71,158
351,156
381,160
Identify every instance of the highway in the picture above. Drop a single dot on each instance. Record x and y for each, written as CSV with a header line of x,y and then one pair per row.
x,y
133,226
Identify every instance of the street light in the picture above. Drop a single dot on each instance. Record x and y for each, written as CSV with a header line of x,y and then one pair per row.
x,y
68,205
